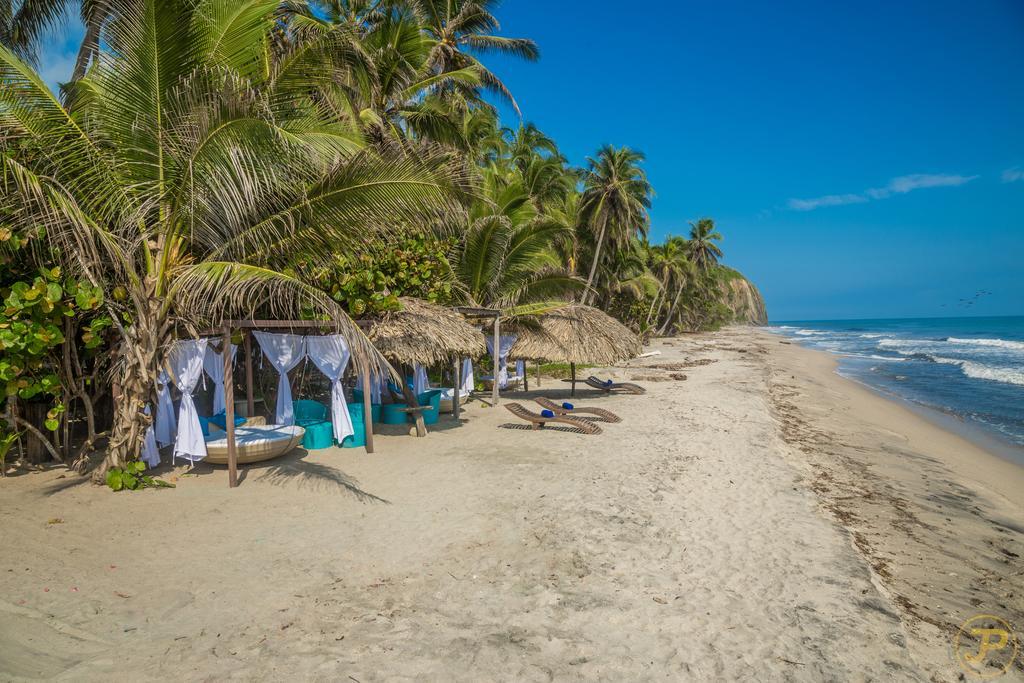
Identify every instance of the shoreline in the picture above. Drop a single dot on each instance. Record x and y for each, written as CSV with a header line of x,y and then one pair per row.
x,y
973,451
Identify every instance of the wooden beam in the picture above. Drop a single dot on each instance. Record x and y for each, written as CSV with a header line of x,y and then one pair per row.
x,y
411,402
572,378
496,356
250,401
367,412
457,382
538,374
526,375
229,407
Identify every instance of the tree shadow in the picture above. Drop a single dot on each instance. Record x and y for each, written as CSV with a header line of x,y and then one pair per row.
x,y
314,476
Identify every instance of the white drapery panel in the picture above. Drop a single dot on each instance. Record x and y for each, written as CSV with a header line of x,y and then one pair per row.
x,y
165,425
284,351
521,369
468,381
420,381
377,386
330,354
186,365
213,363
505,343
150,453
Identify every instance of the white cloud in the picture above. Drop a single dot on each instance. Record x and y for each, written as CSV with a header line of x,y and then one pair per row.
x,y
1012,175
827,200
896,186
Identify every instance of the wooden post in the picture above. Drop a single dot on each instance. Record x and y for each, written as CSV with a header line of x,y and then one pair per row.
x,y
411,402
572,377
250,402
496,355
367,412
229,407
526,375
457,384
538,374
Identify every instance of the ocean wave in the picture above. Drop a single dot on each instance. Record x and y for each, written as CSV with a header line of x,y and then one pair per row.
x,y
871,336
989,372
1001,343
809,333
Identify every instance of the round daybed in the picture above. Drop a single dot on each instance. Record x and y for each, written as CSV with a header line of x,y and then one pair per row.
x,y
254,443
447,396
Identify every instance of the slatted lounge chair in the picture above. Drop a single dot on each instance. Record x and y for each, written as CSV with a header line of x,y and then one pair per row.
x,y
611,386
538,421
571,410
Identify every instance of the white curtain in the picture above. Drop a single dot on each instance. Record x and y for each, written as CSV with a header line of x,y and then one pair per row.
x,y
330,354
468,381
420,381
186,364
150,453
284,351
520,369
165,425
377,385
505,343
213,363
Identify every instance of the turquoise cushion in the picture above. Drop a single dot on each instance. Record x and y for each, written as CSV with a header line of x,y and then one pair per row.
x,y
221,420
309,410
318,435
567,406
547,413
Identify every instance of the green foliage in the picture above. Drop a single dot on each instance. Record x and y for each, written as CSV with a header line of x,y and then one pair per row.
x,y
131,478
32,313
7,439
415,266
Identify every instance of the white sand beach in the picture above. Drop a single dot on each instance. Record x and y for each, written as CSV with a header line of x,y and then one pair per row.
x,y
755,516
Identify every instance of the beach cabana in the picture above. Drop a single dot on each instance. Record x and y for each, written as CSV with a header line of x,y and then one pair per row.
x,y
330,346
422,335
573,334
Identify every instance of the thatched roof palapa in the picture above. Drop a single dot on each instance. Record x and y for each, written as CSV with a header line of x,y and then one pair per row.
x,y
574,334
425,333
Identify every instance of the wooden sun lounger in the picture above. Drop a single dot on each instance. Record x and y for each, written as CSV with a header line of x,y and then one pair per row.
x,y
538,421
627,387
557,409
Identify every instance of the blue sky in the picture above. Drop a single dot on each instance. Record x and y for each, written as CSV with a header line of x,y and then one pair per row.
x,y
863,159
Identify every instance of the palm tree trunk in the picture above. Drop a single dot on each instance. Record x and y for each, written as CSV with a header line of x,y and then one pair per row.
x,y
139,356
593,264
671,312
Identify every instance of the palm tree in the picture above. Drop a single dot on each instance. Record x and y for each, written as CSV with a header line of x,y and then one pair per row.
x,y
193,169
462,29
616,198
678,274
507,257
704,251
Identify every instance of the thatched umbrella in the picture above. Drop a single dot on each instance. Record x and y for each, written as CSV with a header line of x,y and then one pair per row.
x,y
574,334
426,334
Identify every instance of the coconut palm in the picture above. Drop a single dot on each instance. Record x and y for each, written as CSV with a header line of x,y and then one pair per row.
x,y
703,250
507,256
677,273
193,167
616,198
462,29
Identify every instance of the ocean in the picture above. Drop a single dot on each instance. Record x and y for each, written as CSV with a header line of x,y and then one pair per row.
x,y
968,369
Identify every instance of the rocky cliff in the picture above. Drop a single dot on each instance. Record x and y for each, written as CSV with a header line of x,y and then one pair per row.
x,y
742,298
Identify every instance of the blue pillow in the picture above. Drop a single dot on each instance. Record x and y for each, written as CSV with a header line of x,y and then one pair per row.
x,y
547,413
567,406
221,420
609,383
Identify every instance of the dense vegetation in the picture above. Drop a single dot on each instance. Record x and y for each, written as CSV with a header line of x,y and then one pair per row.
x,y
213,158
